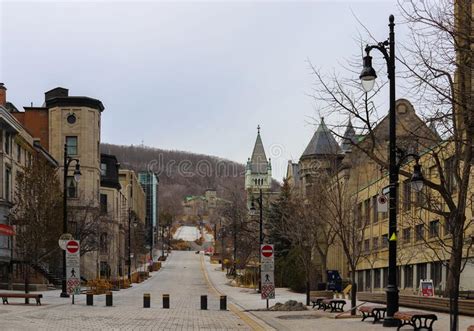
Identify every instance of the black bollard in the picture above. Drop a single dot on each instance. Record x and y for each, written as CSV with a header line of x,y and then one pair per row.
x,y
223,302
146,300
203,302
108,299
166,301
89,298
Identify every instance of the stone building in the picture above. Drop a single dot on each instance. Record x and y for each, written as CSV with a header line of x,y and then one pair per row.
x,y
17,148
133,211
72,121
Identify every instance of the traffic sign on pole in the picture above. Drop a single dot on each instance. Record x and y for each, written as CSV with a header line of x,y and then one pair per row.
x,y
267,267
73,267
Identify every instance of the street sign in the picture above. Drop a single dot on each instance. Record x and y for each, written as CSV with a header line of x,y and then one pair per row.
x,y
268,285
72,246
267,251
382,203
267,267
73,267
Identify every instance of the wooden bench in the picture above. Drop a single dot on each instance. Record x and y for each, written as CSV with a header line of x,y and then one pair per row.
x,y
377,312
37,297
419,320
316,297
334,304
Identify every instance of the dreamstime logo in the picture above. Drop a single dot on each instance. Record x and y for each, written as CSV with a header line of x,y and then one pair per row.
x,y
194,168
276,151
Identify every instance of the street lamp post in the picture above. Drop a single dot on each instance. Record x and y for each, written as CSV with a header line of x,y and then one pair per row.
x,y
252,209
130,243
368,75
77,176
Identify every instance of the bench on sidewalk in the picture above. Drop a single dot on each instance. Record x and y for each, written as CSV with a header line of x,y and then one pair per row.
x,y
419,320
37,297
335,305
377,312
316,297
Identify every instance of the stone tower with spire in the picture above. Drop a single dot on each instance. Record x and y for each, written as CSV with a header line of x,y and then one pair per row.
x,y
319,156
258,171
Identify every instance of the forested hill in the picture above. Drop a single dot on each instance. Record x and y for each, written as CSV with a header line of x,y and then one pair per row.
x,y
180,173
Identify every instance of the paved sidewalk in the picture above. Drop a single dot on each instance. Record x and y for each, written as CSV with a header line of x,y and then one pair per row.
x,y
249,299
181,277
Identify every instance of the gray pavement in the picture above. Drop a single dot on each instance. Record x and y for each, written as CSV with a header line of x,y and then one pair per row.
x,y
181,277
249,300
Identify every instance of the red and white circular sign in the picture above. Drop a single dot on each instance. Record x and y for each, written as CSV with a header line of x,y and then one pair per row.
x,y
267,251
72,246
382,199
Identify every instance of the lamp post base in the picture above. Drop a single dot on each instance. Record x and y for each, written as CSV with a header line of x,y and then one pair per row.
x,y
392,307
64,295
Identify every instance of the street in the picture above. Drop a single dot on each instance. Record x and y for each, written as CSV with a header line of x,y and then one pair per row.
x,y
182,278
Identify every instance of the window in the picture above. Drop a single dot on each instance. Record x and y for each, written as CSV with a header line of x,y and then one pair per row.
x,y
103,169
71,142
71,187
447,227
18,152
436,273
366,245
376,278
375,243
359,215
449,173
385,240
8,141
419,232
408,276
366,212
103,203
368,282
71,119
421,272
434,228
8,184
375,212
406,235
406,195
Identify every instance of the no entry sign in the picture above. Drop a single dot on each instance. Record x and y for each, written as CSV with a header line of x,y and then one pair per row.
x,y
72,246
267,251
73,267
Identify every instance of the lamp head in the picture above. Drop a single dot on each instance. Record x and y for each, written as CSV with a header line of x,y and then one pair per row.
x,y
368,74
417,178
77,172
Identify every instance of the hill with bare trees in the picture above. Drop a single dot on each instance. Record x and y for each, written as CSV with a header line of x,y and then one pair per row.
x,y
180,173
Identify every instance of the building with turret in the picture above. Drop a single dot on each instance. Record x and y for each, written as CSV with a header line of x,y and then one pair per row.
x,y
258,171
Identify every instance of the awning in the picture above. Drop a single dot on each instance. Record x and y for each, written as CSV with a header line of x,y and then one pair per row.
x,y
6,230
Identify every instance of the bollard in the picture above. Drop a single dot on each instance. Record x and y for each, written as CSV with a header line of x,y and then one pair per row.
x,y
203,302
223,302
89,298
166,301
146,300
108,299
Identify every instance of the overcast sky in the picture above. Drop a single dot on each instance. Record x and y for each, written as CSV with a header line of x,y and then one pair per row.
x,y
192,76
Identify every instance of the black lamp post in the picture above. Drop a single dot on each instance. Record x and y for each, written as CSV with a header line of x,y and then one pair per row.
x,y
129,261
368,75
252,210
77,176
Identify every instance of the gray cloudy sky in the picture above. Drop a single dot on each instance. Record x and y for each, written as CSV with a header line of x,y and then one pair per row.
x,y
193,76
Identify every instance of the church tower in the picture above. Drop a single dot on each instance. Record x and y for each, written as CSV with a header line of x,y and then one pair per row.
x,y
258,171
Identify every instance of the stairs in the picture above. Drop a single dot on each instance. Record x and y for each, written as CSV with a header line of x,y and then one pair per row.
x,y
52,277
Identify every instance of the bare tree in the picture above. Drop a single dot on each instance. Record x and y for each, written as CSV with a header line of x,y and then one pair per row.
x,y
37,214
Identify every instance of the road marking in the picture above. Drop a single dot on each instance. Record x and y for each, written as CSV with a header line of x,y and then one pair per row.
x,y
251,322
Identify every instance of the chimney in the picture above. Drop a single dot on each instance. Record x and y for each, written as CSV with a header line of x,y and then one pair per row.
x,y
57,92
3,95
